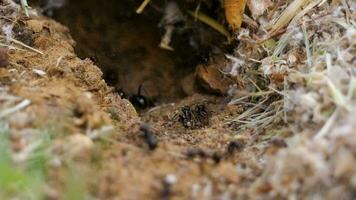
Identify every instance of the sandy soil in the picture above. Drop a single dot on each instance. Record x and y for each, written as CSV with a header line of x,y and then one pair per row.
x,y
96,133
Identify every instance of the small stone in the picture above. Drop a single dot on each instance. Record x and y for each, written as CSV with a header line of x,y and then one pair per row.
x,y
212,80
79,147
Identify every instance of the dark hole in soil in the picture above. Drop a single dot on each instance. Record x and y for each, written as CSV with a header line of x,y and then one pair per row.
x,y
125,45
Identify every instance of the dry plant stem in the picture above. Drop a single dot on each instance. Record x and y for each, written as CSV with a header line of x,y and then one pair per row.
x,y
166,40
22,44
307,46
250,111
25,7
348,12
285,100
327,126
246,19
338,97
255,84
247,95
288,14
142,6
11,47
307,8
212,23
283,42
18,107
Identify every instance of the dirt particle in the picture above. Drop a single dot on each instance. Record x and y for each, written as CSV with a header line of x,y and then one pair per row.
x,y
4,57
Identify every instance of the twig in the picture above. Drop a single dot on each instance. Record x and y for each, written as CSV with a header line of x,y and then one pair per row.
x,y
11,47
142,6
307,46
327,126
288,14
22,44
18,107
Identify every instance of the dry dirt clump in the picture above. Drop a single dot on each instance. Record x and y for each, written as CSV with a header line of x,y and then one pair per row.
x,y
52,104
284,130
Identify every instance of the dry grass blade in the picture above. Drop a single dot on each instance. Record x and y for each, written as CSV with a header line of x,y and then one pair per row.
x,y
11,47
307,8
22,44
283,42
142,6
288,14
211,22
250,111
327,126
18,107
25,7
307,46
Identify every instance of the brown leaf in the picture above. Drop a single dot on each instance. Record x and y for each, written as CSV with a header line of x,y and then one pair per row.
x,y
234,10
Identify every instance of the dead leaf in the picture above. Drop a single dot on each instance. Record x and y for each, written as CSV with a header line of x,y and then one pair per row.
x,y
234,10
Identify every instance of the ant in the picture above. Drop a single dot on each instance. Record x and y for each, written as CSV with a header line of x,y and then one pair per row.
x,y
138,100
201,113
149,137
186,117
194,118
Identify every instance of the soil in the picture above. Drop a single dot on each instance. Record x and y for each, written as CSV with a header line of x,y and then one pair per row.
x,y
73,86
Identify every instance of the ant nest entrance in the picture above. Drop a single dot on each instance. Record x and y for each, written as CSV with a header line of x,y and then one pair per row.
x,y
155,52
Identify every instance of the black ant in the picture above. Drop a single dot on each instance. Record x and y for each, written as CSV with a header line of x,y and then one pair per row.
x,y
186,117
194,118
201,114
148,136
138,100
